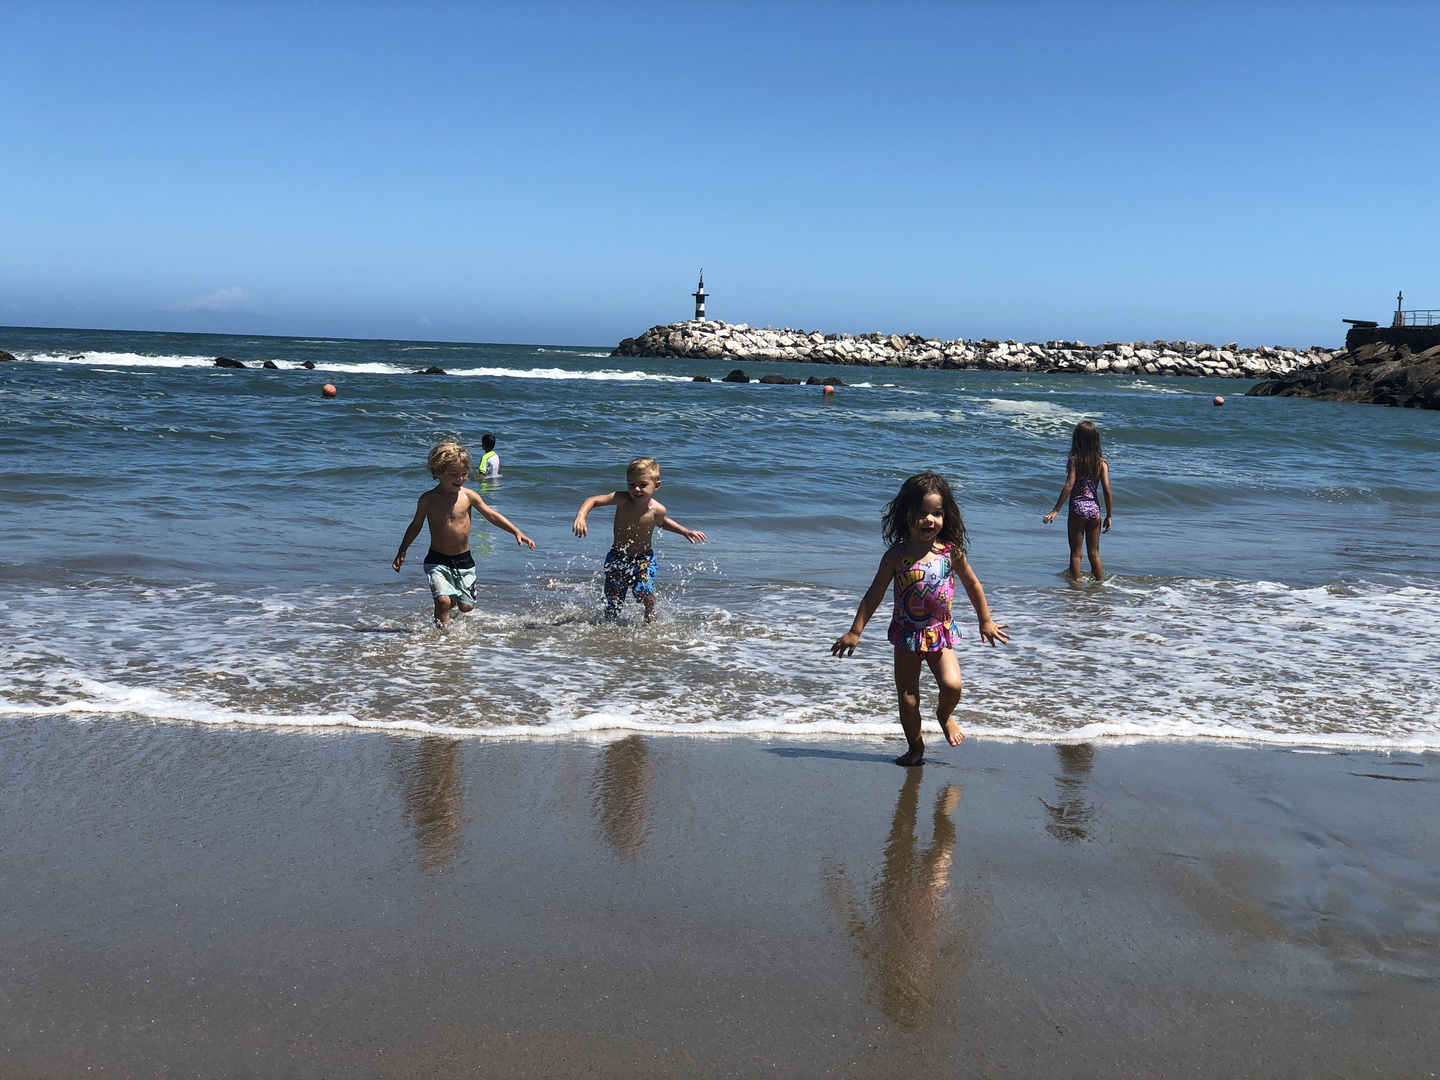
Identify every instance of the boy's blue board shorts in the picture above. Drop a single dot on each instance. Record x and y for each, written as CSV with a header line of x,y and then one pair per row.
x,y
451,575
624,572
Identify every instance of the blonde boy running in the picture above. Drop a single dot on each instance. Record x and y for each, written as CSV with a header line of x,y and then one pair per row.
x,y
449,566
631,562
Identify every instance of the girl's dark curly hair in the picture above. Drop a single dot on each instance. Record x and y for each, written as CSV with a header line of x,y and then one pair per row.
x,y
897,517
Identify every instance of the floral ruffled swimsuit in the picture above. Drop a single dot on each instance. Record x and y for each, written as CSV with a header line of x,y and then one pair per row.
x,y
1082,499
924,590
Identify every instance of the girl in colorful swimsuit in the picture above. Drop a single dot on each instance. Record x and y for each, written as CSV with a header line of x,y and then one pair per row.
x,y
1086,472
927,552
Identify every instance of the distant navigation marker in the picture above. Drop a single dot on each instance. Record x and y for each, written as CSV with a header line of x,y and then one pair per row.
x,y
699,295
1399,319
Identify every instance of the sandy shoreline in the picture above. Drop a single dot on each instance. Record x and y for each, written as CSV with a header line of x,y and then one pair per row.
x,y
245,902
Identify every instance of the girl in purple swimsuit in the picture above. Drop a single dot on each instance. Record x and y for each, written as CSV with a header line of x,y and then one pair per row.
x,y
927,552
1087,471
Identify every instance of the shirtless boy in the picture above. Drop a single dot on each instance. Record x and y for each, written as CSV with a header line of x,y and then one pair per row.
x,y
631,564
449,566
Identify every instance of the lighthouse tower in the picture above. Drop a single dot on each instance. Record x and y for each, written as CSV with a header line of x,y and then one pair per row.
x,y
699,295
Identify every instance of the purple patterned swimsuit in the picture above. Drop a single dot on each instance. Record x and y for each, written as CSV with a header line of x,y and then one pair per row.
x,y
924,589
1082,499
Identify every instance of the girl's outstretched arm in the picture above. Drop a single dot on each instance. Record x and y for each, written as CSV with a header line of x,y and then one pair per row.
x,y
989,632
1105,489
845,644
1064,492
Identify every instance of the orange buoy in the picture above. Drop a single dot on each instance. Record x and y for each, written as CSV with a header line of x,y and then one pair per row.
x,y
828,391
328,390
1219,400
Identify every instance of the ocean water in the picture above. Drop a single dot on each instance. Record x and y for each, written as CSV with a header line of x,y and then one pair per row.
x,y
186,543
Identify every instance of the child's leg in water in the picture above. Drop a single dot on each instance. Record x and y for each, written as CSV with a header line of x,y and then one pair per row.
x,y
907,689
1092,548
443,604
1075,530
946,670
442,609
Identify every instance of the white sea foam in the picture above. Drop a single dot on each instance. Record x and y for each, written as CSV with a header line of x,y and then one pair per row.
x,y
1155,387
114,359
1156,659
562,373
1046,418
373,367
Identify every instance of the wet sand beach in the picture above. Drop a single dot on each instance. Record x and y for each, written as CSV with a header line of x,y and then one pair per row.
x,y
190,900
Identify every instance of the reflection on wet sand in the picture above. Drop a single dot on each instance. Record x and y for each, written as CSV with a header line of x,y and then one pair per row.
x,y
435,801
621,794
1071,816
908,934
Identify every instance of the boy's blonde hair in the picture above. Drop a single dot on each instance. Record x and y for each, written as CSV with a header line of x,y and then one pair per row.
x,y
647,465
445,457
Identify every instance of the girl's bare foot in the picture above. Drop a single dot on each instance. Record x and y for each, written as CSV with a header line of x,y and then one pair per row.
x,y
953,735
914,756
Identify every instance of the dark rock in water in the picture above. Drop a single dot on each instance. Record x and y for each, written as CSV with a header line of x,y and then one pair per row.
x,y
779,380
432,371
1376,374
628,347
697,378
833,380
226,362
4,356
736,376
308,365
270,365
80,357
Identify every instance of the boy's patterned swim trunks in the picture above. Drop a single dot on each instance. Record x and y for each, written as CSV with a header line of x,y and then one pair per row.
x,y
451,575
624,572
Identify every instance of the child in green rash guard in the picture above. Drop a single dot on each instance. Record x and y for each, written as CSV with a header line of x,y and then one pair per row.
x,y
489,460
449,566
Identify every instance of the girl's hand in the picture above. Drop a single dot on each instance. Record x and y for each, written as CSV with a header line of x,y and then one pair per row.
x,y
1050,516
991,633
1106,526
845,644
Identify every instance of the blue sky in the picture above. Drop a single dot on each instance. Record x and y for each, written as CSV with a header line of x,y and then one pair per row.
x,y
557,173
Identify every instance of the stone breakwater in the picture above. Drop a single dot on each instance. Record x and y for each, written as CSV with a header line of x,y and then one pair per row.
x,y
1377,374
710,340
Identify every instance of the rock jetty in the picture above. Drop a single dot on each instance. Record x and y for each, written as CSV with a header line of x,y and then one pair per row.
x,y
711,340
1378,374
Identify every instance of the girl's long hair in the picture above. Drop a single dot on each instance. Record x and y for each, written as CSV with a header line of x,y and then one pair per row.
x,y
1085,450
897,517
